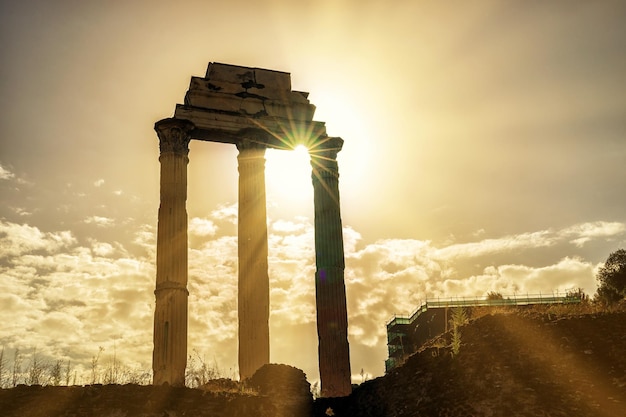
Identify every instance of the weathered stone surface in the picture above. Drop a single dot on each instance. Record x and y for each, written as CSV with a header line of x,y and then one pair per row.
x,y
170,316
232,99
276,133
254,284
330,290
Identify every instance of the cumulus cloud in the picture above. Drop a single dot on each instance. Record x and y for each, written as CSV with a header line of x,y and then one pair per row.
x,y
510,279
66,299
20,239
226,212
73,297
99,221
102,248
99,182
287,226
202,227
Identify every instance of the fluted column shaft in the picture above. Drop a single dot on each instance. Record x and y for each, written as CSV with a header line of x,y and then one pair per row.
x,y
330,291
169,357
254,292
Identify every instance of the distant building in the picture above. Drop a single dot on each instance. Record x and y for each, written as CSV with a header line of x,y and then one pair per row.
x,y
406,334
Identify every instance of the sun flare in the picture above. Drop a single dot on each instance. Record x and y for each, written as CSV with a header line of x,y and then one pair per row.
x,y
288,176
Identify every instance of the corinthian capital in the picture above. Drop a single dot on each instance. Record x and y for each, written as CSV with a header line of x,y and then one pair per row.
x,y
247,144
324,156
174,135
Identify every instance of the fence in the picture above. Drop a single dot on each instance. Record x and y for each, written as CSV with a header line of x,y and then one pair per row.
x,y
514,300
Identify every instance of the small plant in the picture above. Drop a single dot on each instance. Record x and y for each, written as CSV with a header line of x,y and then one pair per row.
x,y
2,367
199,372
112,374
459,318
68,373
17,367
55,373
364,376
36,371
94,366
438,343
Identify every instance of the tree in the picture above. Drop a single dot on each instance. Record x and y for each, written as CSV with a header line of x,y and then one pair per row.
x,y
492,295
612,278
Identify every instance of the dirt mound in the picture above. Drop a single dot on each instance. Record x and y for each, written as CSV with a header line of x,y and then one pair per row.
x,y
508,365
287,387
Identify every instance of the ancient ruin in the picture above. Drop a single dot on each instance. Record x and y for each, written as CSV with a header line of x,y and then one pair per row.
x,y
254,109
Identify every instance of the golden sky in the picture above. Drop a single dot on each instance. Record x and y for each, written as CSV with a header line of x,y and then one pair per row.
x,y
484,151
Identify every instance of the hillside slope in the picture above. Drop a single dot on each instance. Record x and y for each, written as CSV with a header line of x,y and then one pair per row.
x,y
516,364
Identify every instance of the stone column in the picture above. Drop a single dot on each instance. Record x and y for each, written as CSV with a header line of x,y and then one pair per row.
x,y
330,290
169,357
254,289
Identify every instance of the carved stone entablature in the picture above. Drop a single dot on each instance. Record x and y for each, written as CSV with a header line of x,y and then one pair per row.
x,y
174,135
231,100
254,92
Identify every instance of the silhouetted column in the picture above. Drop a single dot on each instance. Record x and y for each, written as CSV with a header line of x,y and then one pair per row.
x,y
254,289
169,357
330,290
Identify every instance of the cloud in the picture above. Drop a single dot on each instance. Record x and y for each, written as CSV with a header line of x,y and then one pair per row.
x,y
21,239
286,226
226,212
484,247
99,221
68,303
585,232
8,175
5,174
510,279
202,227
67,299
99,182
20,211
102,249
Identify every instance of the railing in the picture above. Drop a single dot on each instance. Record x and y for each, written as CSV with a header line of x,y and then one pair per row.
x,y
514,300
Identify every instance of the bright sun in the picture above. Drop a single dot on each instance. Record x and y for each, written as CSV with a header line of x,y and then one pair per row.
x,y
288,176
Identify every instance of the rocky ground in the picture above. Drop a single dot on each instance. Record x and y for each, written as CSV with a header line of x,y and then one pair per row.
x,y
510,363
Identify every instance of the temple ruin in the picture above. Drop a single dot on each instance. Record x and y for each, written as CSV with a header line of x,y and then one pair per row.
x,y
254,109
